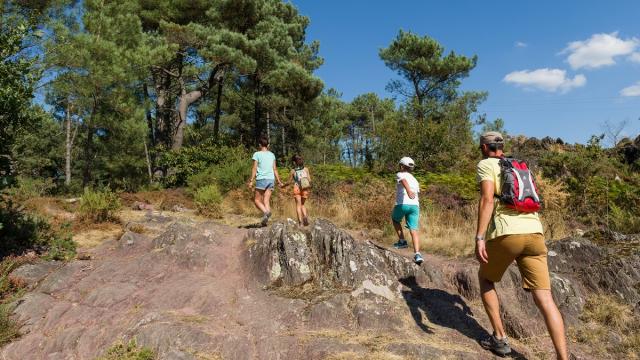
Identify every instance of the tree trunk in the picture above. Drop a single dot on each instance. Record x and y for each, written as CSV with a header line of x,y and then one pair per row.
x,y
146,154
373,122
186,99
284,152
88,155
152,135
216,120
257,130
68,147
268,127
162,84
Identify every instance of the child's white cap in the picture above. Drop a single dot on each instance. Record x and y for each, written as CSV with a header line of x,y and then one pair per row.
x,y
407,161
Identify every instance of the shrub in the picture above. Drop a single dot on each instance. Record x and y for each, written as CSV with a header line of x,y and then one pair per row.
x,y
193,160
9,328
21,231
554,213
98,206
129,351
28,188
227,176
61,245
371,202
209,201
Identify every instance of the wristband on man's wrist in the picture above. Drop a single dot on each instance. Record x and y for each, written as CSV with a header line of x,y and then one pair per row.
x,y
479,237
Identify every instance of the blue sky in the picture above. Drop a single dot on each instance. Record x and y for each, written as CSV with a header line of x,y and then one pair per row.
x,y
557,68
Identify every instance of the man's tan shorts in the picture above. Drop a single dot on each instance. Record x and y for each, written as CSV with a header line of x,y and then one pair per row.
x,y
528,250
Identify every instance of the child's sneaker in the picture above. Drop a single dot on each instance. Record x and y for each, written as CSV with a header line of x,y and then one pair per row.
x,y
401,244
417,258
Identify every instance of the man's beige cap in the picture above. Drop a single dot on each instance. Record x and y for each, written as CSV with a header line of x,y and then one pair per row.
x,y
491,137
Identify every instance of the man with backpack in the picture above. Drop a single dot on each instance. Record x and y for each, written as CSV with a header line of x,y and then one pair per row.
x,y
509,229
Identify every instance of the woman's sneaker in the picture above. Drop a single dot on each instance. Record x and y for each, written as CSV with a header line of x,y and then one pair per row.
x,y
265,218
401,244
417,258
498,346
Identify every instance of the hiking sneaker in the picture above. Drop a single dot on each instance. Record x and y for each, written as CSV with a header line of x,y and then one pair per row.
x,y
401,244
417,258
265,219
498,346
305,221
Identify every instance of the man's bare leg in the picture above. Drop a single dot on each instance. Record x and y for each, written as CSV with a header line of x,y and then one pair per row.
x,y
492,306
553,319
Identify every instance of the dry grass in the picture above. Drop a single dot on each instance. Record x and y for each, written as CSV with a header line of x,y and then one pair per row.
x,y
555,213
610,327
92,235
447,223
444,231
377,343
377,355
137,228
165,199
449,232
607,310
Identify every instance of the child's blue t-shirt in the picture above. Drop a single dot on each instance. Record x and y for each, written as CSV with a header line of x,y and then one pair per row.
x,y
265,161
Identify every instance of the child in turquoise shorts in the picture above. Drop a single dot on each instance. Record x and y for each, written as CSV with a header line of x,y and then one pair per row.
x,y
407,207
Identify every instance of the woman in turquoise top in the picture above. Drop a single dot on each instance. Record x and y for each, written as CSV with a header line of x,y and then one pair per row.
x,y
265,174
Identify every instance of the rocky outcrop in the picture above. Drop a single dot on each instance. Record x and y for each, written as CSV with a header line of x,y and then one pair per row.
x,y
608,264
192,290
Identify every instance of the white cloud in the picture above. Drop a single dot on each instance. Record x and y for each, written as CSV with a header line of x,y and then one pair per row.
x,y
635,57
551,80
599,50
520,44
633,90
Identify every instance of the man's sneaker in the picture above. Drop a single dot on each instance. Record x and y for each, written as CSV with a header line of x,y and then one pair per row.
x,y
498,346
417,258
305,221
401,244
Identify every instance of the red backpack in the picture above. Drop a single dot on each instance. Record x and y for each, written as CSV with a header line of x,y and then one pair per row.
x,y
519,190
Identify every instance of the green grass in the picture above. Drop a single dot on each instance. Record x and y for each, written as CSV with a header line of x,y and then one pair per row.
x,y
9,291
128,351
9,328
99,206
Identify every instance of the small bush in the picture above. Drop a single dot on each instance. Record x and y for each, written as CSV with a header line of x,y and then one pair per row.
x,y
8,286
209,201
28,188
129,351
9,328
21,231
61,245
98,206
554,213
227,176
193,160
